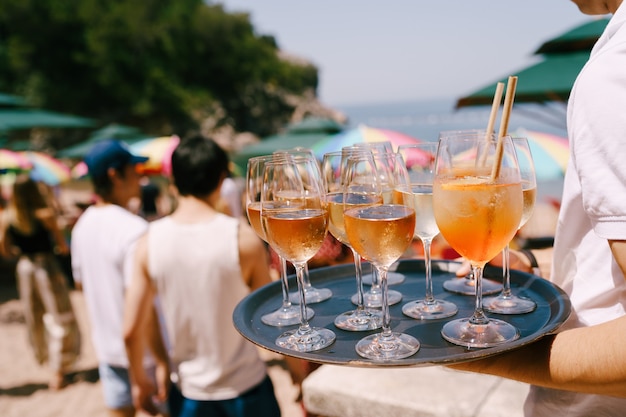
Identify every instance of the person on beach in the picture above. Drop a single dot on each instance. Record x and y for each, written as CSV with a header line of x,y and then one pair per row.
x,y
201,263
30,230
581,371
102,246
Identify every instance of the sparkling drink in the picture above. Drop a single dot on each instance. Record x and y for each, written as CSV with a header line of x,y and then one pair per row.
x,y
420,197
530,194
254,216
336,208
477,218
380,233
296,235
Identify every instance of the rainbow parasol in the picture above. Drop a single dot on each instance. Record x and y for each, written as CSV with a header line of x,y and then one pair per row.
x,y
159,151
47,169
359,134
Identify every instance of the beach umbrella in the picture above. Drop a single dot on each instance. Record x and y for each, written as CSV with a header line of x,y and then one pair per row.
x,y
47,169
550,153
13,161
302,134
127,134
359,134
159,151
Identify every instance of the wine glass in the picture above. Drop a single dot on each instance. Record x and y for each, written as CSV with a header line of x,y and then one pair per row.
x,y
380,234
295,220
313,295
467,285
287,314
506,302
420,161
387,177
336,166
381,150
477,201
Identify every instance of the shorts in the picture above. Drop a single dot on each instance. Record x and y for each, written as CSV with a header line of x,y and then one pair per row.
x,y
115,386
259,401
117,390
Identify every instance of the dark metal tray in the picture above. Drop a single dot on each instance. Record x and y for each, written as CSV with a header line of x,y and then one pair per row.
x,y
553,307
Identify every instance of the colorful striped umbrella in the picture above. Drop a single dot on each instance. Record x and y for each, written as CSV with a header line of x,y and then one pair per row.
x,y
550,153
13,161
159,151
360,134
47,169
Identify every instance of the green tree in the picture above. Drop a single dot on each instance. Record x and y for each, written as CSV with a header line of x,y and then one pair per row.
x,y
162,65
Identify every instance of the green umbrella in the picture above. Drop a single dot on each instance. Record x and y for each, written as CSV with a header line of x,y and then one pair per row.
x,y
16,118
275,143
581,38
303,134
128,134
549,80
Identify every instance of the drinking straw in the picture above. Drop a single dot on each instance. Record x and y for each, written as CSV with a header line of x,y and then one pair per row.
x,y
497,98
504,124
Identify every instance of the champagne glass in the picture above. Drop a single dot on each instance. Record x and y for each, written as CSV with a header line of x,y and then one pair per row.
x,y
380,234
467,285
287,314
477,201
295,220
381,151
420,160
336,166
386,165
313,295
507,302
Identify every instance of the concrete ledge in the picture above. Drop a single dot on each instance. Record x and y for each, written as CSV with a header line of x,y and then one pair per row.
x,y
338,391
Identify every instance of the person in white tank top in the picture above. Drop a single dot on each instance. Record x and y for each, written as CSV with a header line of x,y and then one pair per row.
x,y
201,263
581,371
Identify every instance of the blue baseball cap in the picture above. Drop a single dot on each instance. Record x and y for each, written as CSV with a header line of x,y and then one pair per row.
x,y
110,154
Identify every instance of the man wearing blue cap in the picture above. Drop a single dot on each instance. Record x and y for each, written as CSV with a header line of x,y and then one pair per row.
x,y
102,246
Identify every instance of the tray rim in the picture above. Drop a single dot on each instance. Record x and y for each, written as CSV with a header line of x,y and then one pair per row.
x,y
555,320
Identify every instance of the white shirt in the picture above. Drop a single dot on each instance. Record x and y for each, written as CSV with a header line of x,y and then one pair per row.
x,y
593,210
102,245
198,276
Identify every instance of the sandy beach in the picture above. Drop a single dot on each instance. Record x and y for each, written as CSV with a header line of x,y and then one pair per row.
x,y
23,383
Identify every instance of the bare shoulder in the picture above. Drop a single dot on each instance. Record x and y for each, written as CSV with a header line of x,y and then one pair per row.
x,y
249,242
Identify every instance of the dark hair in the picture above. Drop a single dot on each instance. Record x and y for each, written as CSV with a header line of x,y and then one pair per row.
x,y
198,164
102,183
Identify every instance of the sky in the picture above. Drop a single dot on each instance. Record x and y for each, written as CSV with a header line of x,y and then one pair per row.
x,y
370,52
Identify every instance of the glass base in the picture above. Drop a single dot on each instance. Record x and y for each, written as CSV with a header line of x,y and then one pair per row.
x,y
467,286
359,320
315,338
375,300
395,346
393,278
511,304
312,295
463,333
438,309
286,316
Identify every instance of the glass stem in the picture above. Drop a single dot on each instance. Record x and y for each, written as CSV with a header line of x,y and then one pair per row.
x,y
375,287
359,279
382,272
429,298
284,282
306,281
506,273
304,323
479,316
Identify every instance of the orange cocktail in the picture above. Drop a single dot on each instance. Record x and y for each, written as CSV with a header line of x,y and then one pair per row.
x,y
477,217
